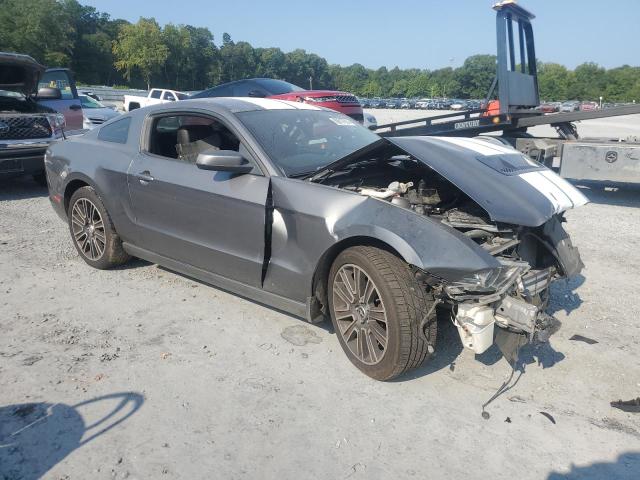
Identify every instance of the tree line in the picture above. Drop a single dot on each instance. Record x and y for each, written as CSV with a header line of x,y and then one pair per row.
x,y
105,51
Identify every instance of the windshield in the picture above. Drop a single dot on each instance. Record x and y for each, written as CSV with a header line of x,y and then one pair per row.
x,y
278,87
304,141
88,102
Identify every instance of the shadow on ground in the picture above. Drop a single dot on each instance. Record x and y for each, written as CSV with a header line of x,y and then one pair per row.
x,y
627,466
34,437
20,188
619,195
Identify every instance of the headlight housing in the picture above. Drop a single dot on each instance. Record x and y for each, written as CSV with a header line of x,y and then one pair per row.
x,y
329,98
490,280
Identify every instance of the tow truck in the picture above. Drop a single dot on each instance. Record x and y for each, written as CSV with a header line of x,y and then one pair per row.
x,y
517,109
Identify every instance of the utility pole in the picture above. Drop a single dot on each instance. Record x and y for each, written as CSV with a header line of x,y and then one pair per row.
x,y
310,82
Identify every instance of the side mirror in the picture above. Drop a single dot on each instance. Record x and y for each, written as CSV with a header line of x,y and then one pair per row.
x,y
223,161
49,93
256,94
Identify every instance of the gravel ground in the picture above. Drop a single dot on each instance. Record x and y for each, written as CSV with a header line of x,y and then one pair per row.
x,y
142,373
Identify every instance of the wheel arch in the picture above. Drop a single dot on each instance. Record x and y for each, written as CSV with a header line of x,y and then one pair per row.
x,y
74,184
323,266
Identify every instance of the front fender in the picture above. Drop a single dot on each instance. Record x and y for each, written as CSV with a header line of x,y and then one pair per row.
x,y
421,241
311,220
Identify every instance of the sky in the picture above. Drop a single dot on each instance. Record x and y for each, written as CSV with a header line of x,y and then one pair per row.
x,y
406,33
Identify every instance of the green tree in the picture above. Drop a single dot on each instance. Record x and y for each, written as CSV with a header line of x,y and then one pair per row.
x,y
475,76
555,81
40,28
140,46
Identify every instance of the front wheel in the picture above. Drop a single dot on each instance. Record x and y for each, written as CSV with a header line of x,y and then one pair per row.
x,y
92,231
377,308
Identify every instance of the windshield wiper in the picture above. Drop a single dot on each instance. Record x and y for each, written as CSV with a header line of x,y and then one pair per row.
x,y
333,167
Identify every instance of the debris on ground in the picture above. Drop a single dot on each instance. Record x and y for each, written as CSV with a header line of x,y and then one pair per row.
x,y
580,338
549,416
630,406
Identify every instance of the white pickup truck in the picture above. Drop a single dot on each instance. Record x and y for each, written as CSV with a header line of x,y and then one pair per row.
x,y
156,95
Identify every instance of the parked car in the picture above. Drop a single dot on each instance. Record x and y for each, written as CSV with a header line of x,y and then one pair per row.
x,y
154,97
28,123
95,113
342,102
423,103
548,108
458,105
589,106
303,209
392,103
407,104
364,102
570,107
378,103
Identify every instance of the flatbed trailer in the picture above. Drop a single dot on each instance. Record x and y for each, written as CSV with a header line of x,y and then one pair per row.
x,y
516,80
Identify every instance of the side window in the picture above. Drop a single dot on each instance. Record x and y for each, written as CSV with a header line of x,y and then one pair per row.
x,y
169,96
155,93
116,132
57,79
184,137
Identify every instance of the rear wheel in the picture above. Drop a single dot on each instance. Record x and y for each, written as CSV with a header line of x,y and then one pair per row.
x,y
92,231
377,308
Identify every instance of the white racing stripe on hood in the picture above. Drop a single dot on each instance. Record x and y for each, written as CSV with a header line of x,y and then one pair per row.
x,y
478,146
559,192
572,192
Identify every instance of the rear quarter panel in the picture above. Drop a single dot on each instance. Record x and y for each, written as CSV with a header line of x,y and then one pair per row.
x,y
102,165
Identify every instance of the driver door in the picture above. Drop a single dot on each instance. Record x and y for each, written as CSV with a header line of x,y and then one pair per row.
x,y
214,221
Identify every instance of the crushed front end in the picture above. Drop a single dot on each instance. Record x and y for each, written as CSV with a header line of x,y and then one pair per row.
x,y
513,297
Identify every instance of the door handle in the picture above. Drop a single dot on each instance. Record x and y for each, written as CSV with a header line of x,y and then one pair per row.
x,y
75,106
144,177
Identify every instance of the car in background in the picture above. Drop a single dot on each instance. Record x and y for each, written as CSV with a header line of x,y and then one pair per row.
x,y
392,103
31,115
423,103
570,106
342,102
458,105
378,103
589,106
364,102
407,104
95,113
154,97
549,107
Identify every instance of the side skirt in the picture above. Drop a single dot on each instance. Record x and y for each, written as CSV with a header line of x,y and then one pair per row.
x,y
248,292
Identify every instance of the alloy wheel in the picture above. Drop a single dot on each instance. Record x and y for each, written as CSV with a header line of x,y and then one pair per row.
x,y
360,314
88,229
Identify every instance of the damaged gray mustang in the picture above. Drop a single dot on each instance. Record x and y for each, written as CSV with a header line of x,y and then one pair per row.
x,y
303,209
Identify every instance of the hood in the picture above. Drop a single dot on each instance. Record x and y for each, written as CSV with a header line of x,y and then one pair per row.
x,y
509,186
19,73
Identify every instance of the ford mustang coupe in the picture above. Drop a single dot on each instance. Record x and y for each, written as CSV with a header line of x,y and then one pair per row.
x,y
303,209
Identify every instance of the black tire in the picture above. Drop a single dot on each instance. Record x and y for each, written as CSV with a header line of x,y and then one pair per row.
x,y
404,301
112,254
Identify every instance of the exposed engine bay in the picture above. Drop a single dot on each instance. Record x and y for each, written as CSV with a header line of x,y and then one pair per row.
x,y
513,297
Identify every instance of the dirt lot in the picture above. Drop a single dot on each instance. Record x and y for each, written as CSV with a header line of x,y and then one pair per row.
x,y
141,373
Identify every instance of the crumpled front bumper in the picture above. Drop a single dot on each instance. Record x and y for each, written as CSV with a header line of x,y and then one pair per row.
x,y
515,306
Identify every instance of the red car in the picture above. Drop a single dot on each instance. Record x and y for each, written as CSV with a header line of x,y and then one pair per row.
x,y
277,89
589,106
